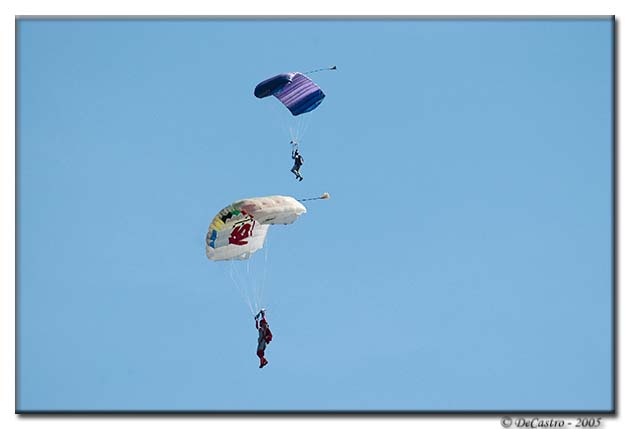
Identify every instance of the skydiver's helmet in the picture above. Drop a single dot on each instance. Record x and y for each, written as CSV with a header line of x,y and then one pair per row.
x,y
263,322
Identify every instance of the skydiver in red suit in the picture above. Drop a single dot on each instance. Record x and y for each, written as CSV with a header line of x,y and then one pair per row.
x,y
264,337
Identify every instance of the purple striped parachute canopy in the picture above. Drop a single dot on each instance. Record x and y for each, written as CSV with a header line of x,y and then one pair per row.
x,y
296,91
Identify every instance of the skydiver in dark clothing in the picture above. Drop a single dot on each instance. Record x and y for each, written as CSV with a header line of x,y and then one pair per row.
x,y
297,163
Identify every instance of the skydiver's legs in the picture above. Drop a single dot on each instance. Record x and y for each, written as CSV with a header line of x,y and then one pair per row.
x,y
296,170
261,354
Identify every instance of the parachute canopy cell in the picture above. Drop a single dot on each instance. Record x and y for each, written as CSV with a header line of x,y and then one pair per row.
x,y
296,91
240,229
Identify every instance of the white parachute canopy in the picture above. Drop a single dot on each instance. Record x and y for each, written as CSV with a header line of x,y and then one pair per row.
x,y
240,229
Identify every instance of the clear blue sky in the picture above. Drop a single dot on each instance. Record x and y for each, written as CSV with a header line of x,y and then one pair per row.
x,y
463,262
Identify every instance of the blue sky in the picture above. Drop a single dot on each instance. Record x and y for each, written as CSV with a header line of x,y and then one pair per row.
x,y
462,263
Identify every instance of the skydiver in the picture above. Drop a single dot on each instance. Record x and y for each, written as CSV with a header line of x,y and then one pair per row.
x,y
264,337
297,163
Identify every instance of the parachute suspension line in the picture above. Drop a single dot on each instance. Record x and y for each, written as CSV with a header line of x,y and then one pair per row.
x,y
239,287
256,290
286,122
246,276
303,122
323,196
318,70
293,132
249,281
254,281
261,294
243,284
298,129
